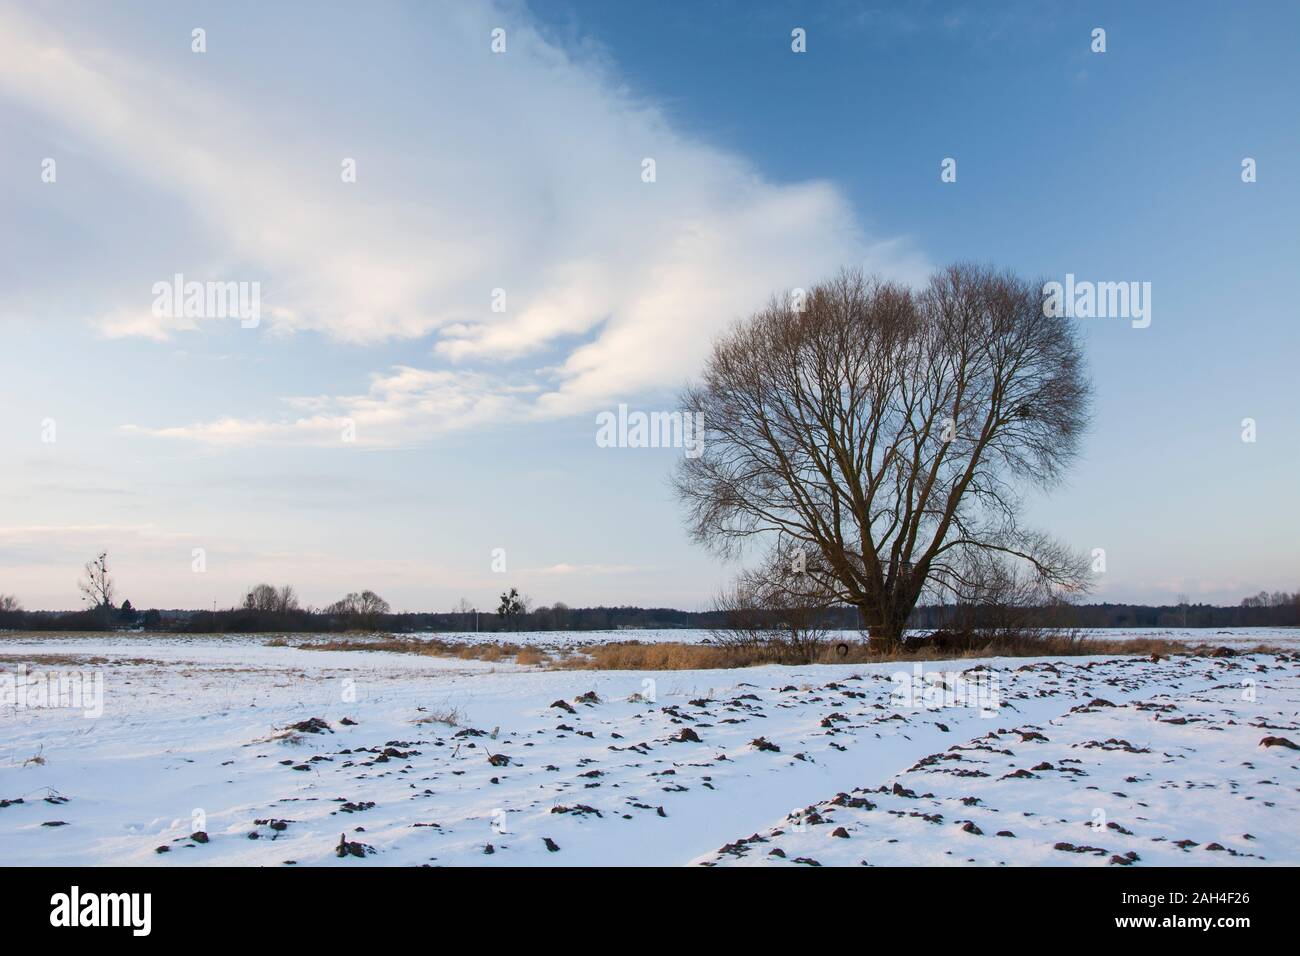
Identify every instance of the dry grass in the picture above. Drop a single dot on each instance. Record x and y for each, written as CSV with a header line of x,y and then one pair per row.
x,y
532,656
491,652
52,635
74,660
272,639
448,714
633,655
666,656
669,656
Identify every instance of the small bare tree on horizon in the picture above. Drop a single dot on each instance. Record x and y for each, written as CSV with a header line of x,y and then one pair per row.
x,y
880,436
361,610
97,584
271,600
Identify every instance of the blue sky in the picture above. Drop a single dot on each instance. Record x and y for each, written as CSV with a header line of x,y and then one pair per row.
x,y
521,171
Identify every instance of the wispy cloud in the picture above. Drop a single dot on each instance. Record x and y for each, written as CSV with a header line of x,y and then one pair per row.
x,y
584,570
522,172
403,406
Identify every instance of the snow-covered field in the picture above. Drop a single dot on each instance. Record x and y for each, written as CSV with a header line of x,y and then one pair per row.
x,y
1083,760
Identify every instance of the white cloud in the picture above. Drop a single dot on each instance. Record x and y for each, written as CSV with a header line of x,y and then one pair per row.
x,y
402,407
584,570
519,171
127,323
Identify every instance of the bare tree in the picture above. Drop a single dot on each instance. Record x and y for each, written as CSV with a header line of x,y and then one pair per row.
x,y
261,597
286,599
777,611
271,600
370,607
560,615
360,610
9,604
889,433
97,584
998,598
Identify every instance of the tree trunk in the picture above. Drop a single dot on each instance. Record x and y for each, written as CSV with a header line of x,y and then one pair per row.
x,y
887,631
887,636
884,629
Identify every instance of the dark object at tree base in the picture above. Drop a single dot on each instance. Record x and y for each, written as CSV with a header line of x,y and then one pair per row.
x,y
945,641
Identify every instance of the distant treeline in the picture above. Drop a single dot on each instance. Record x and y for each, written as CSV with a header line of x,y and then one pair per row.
x,y
247,620
560,618
1138,615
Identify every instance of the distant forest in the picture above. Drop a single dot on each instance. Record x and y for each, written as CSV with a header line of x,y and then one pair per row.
x,y
1258,611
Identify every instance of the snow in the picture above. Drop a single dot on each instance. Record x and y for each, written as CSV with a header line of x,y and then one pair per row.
x,y
192,737
1166,770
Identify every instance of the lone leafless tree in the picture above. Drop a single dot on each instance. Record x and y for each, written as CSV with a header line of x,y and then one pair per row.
x,y
96,583
887,434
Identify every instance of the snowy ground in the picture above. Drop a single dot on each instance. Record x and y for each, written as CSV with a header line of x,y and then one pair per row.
x,y
192,738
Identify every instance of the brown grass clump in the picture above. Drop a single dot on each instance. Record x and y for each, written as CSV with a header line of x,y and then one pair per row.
x,y
75,660
531,656
633,655
342,644
491,651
